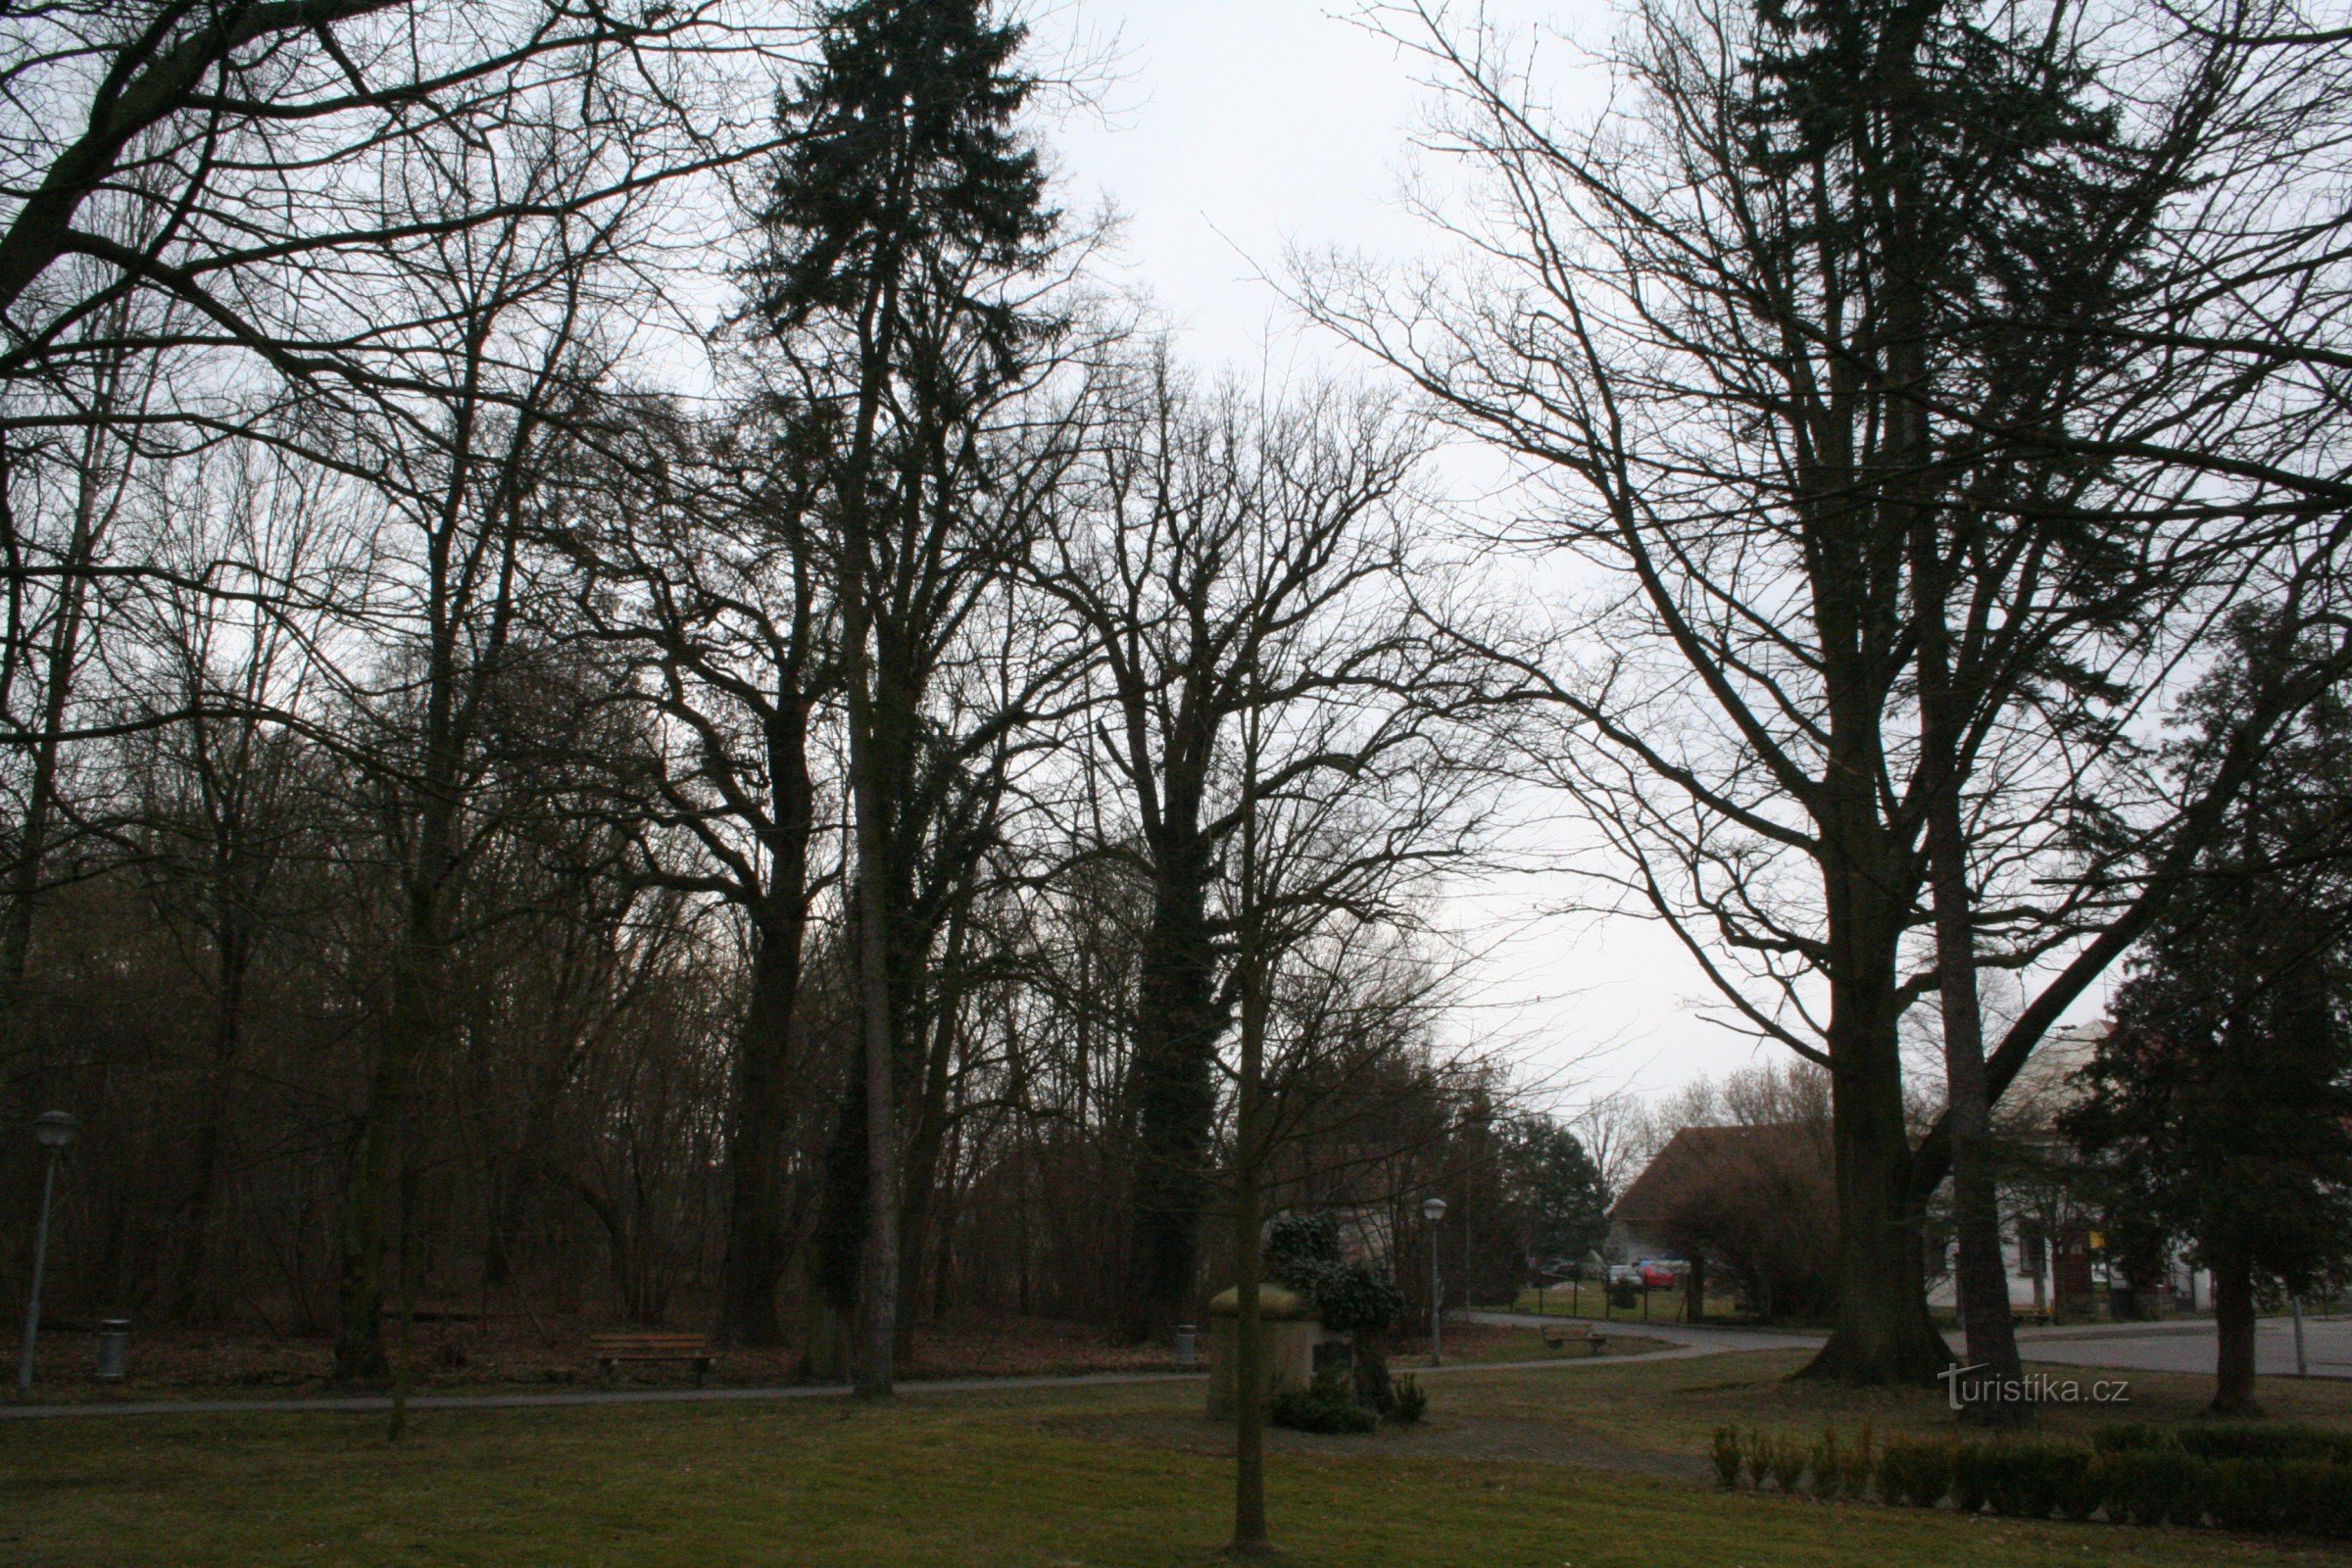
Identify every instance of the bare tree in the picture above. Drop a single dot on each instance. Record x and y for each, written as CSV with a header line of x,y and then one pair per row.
x,y
1865,654
1219,529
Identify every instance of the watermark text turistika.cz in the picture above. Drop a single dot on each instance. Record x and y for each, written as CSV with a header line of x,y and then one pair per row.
x,y
2032,1387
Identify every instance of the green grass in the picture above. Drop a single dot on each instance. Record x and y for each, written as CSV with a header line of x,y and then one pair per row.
x,y
1100,1476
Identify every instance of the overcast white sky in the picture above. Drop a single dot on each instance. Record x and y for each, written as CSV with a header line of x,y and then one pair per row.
x,y
1238,128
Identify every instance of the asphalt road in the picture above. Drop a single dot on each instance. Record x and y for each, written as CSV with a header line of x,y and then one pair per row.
x,y
2171,1346
2188,1346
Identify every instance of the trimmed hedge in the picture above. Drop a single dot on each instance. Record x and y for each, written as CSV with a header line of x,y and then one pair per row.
x,y
2256,1480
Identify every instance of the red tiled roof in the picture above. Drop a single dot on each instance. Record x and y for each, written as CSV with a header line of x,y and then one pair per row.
x,y
1693,1156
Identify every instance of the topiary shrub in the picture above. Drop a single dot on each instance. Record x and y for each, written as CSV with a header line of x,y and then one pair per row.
x,y
1328,1404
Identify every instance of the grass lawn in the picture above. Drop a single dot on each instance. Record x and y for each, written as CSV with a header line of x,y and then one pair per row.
x,y
1518,1465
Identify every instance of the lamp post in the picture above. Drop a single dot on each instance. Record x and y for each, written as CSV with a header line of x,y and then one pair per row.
x,y
53,1130
1433,1209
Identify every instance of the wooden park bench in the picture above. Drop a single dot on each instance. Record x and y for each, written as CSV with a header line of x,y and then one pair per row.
x,y
612,1349
1559,1339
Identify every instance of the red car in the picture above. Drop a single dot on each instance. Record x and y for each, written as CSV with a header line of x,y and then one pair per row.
x,y
1658,1276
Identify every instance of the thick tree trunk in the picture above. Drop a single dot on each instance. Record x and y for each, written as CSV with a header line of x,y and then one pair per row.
x,y
359,1355
759,1144
1176,1029
1882,1333
2233,1325
760,1133
837,1253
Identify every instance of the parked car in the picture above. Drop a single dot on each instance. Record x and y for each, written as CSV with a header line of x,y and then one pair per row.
x,y
1658,1274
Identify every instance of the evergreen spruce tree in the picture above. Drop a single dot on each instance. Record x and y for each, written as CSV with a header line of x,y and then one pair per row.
x,y
2219,1110
902,213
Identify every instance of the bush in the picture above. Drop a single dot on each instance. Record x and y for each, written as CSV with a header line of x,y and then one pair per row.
x,y
2076,1490
1855,1466
1976,1474
1757,1452
1411,1404
2152,1486
1297,1242
1725,1456
1625,1294
2285,1441
2267,1480
1914,1472
2315,1497
1328,1404
2130,1437
2030,1480
2244,1494
1828,1466
1788,1461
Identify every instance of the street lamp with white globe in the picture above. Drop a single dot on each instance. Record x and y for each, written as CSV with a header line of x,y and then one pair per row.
x,y
53,1130
1433,1209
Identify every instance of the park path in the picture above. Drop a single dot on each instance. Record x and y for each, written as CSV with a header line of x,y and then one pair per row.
x,y
1688,1339
2174,1346
1687,1342
2156,1348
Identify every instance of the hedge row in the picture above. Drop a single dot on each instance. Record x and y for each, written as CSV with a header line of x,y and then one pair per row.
x,y
2248,1479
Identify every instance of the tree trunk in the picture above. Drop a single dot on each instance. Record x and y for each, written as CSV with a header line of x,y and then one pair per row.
x,y
1176,1028
231,952
928,1136
2233,1332
1250,1349
359,1356
761,1131
837,1251
1983,1278
1882,1333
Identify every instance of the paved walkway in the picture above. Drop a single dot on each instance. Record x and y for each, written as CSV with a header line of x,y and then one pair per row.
x,y
2178,1345
2174,1346
367,1404
1687,1342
